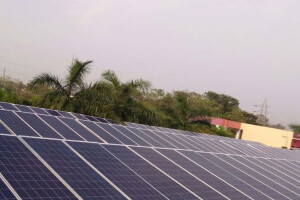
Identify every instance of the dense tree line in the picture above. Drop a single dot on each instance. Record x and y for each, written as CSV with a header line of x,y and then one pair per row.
x,y
134,100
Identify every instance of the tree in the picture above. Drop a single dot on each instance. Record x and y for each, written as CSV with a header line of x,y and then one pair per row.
x,y
61,93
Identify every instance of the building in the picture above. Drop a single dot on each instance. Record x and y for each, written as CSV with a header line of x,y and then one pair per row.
x,y
269,136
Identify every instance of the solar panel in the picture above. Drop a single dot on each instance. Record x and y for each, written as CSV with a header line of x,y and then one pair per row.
x,y
66,157
79,116
17,125
38,125
100,132
39,110
83,132
203,174
128,181
131,135
146,137
5,193
53,112
8,106
121,137
24,108
4,130
26,174
227,174
189,181
79,175
152,175
66,114
61,128
260,177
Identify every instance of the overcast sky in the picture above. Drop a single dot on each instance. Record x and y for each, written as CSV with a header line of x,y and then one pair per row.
x,y
248,49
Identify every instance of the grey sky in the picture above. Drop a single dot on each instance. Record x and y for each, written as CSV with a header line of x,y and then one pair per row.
x,y
247,49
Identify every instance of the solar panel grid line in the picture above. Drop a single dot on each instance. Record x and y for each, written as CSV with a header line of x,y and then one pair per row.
x,y
165,173
268,151
172,169
169,140
272,169
272,191
92,132
156,137
146,137
207,170
192,174
120,174
163,183
175,141
222,149
134,172
230,176
27,124
108,137
38,110
201,146
50,127
119,135
23,108
79,116
292,165
234,147
37,124
6,127
184,142
288,172
61,127
133,134
8,106
96,170
50,169
8,185
70,127
80,130
272,178
260,177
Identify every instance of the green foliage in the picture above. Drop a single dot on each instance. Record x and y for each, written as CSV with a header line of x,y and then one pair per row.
x,y
133,100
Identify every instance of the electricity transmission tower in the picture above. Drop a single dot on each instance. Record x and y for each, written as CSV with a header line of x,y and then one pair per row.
x,y
262,117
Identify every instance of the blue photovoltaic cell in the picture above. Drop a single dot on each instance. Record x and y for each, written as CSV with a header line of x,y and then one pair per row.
x,y
24,108
146,137
79,175
60,127
202,174
178,174
159,139
79,116
53,112
116,134
226,173
268,187
39,110
160,181
101,120
130,183
38,125
170,139
91,118
99,131
66,114
16,124
5,193
8,106
83,132
3,130
26,174
131,135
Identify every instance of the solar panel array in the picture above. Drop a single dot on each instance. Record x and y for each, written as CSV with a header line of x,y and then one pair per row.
x,y
48,154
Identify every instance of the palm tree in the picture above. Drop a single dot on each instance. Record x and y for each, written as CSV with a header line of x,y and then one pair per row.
x,y
127,99
62,93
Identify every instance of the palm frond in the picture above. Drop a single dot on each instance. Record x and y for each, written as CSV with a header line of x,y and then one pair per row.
x,y
112,78
47,80
77,72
